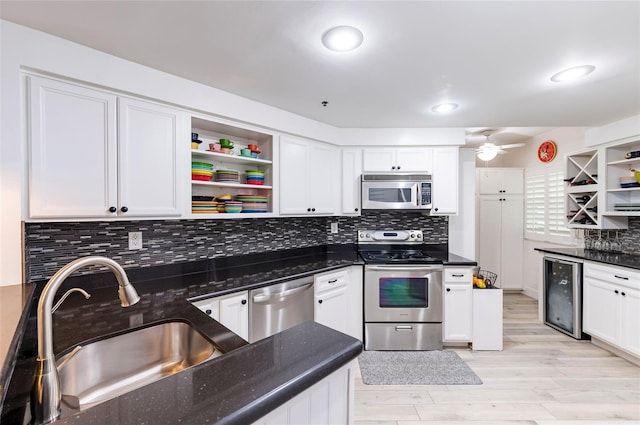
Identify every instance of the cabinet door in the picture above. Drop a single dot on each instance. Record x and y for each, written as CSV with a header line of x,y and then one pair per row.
x,y
489,181
234,313
355,293
332,308
379,159
323,174
489,223
457,312
147,150
414,160
512,181
351,181
72,152
600,310
445,181
511,240
630,320
294,197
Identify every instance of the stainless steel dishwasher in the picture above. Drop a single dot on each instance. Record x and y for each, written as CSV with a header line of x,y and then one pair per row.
x,y
278,307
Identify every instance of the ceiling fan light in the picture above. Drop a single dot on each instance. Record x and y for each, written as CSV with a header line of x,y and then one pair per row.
x,y
571,74
487,154
342,39
445,107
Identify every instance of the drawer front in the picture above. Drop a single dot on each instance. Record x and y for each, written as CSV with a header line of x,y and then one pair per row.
x,y
616,275
458,275
326,282
403,336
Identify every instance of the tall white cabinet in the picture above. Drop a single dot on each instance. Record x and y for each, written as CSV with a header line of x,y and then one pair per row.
x,y
93,154
501,224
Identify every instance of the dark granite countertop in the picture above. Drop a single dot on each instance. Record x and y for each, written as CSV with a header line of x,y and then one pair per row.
x,y
237,388
611,258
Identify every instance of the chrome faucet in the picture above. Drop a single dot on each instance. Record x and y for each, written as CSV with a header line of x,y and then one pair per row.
x,y
46,389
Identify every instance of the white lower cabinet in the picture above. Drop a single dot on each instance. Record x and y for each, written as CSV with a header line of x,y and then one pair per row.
x,y
328,402
338,300
231,310
611,305
487,319
458,304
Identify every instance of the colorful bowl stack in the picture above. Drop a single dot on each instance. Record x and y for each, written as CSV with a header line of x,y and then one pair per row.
x,y
227,176
201,171
233,206
255,177
203,205
253,203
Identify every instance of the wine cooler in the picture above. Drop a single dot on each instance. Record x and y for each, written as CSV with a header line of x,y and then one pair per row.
x,y
562,308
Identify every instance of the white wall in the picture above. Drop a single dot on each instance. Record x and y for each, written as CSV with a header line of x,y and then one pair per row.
x,y
22,48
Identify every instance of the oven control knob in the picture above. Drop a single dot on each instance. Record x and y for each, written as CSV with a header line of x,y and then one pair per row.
x,y
368,235
413,236
419,236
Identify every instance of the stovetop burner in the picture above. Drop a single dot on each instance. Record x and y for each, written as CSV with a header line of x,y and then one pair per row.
x,y
398,247
411,256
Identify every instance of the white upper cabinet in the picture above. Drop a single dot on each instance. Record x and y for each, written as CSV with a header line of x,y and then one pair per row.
x,y
445,181
72,151
351,180
418,160
82,164
147,159
309,177
503,181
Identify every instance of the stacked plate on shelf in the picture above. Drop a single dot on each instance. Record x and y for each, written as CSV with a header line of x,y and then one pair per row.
x,y
255,177
227,176
201,171
203,205
626,207
253,203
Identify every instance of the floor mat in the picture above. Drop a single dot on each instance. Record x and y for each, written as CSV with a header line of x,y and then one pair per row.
x,y
440,367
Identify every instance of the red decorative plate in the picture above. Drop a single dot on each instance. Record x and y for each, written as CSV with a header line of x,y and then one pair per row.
x,y
547,151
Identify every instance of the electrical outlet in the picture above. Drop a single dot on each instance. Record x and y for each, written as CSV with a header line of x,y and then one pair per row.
x,y
334,227
135,240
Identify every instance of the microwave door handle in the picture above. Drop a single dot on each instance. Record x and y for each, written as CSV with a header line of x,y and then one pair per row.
x,y
418,196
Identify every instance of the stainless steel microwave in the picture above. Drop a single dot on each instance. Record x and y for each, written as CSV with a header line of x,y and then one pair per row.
x,y
396,191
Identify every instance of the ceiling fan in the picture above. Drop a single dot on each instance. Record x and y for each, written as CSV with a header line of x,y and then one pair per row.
x,y
489,150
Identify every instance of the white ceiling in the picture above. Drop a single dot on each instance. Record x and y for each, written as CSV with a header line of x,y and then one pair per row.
x,y
492,58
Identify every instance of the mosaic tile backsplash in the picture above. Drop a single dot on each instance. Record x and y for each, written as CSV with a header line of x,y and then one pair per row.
x,y
49,246
629,238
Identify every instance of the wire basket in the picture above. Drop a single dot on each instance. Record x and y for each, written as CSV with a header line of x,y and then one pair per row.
x,y
490,277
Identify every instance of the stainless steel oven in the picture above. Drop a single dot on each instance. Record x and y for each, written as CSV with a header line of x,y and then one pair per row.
x,y
402,292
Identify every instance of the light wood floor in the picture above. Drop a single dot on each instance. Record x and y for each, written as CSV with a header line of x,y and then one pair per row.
x,y
541,377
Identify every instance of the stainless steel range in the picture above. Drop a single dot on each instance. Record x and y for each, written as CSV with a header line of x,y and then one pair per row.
x,y
402,290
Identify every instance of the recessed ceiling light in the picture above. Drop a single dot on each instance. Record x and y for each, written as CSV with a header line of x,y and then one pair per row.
x,y
574,73
342,39
445,107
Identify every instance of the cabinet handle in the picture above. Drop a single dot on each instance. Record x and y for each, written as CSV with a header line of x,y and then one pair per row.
x,y
124,209
393,167
333,281
621,277
398,167
616,291
308,209
243,302
112,209
356,210
319,301
436,209
313,209
623,294
208,311
457,274
448,289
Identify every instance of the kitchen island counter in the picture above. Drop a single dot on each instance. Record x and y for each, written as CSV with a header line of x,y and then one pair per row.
x,y
236,388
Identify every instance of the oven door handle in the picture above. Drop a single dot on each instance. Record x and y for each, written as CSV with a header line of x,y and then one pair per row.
x,y
404,268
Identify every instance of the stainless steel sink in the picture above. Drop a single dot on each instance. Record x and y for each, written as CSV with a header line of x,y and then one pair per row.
x,y
114,366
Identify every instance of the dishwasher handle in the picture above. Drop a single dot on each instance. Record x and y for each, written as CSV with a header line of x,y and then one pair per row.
x,y
258,299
